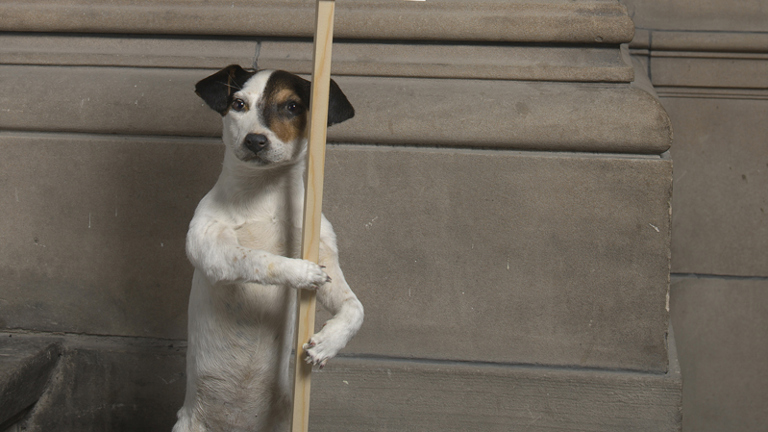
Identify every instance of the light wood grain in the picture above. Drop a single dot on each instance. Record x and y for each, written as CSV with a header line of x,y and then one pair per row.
x,y
310,245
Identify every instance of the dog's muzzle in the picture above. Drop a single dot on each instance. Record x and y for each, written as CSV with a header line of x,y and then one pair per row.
x,y
256,142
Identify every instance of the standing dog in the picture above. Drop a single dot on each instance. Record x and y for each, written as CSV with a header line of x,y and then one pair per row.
x,y
244,241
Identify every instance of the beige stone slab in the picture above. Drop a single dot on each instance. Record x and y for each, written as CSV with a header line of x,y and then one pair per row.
x,y
736,41
720,217
722,337
138,384
466,255
580,21
93,231
389,396
505,257
530,62
743,71
712,93
593,117
702,15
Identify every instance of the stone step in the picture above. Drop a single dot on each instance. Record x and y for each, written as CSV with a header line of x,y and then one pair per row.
x,y
402,396
426,60
26,366
554,21
117,384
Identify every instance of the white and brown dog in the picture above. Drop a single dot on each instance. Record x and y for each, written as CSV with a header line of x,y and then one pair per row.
x,y
244,242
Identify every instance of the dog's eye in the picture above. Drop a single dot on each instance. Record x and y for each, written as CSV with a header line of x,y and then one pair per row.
x,y
238,104
293,108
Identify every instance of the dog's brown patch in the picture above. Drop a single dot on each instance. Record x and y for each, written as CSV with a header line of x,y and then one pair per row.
x,y
288,128
282,90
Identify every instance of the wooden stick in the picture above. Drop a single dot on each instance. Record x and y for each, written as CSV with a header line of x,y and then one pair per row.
x,y
313,198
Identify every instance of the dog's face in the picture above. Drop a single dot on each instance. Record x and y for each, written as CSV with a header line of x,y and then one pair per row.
x,y
265,112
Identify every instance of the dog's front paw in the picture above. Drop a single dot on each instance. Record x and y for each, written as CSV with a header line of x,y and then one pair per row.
x,y
323,346
306,275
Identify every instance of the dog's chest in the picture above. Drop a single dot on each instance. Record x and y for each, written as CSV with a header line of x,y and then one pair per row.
x,y
270,233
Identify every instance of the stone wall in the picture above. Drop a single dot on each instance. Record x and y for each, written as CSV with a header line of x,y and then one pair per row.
x,y
502,201
709,63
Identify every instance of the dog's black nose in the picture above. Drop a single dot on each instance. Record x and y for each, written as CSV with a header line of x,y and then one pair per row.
x,y
256,142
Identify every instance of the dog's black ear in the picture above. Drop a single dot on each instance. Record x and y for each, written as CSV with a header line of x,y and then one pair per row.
x,y
339,108
217,89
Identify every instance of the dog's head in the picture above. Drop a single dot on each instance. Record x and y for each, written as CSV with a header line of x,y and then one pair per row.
x,y
265,112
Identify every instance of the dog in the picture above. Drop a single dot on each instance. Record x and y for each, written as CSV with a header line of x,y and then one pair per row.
x,y
244,242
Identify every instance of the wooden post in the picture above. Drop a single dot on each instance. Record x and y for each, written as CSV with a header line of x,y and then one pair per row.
x,y
313,198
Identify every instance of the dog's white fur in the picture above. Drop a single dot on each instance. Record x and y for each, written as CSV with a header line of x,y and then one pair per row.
x,y
243,241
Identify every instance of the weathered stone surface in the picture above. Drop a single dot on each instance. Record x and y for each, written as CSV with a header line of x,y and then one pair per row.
x,y
505,257
111,384
25,368
126,384
720,70
721,325
589,117
720,219
704,15
735,42
580,21
380,395
528,62
467,255
93,231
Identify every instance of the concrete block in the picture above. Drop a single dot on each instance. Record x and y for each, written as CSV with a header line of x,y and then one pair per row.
x,y
721,326
720,222
588,117
505,257
559,21
448,60
25,369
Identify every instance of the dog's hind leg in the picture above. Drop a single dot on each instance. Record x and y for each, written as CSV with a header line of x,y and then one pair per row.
x,y
187,423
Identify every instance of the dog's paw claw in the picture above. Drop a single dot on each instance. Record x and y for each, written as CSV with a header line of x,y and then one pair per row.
x,y
323,346
308,275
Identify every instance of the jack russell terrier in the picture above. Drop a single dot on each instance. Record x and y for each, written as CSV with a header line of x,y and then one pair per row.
x,y
244,241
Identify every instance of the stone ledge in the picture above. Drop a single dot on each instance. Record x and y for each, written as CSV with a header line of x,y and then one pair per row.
x,y
558,21
403,396
108,384
700,16
701,41
581,117
118,384
710,70
26,366
472,61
